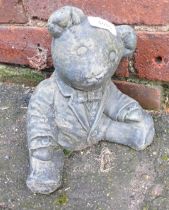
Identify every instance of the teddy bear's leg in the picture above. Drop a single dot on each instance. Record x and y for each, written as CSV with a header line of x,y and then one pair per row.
x,y
135,132
46,167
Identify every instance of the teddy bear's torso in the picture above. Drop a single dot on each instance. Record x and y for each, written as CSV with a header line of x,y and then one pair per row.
x,y
74,119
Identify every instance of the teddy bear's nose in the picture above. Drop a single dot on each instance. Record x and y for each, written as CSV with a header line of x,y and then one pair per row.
x,y
82,50
95,75
100,75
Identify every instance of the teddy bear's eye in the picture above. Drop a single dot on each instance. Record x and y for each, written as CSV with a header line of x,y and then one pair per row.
x,y
82,50
112,56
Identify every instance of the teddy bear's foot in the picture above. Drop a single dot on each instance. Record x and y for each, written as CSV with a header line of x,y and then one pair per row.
x,y
45,177
37,185
46,166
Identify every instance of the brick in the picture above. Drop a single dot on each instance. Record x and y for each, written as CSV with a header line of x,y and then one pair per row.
x,y
117,11
12,11
148,97
25,45
122,70
152,56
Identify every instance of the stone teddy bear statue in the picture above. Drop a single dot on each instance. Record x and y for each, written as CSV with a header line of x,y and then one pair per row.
x,y
78,106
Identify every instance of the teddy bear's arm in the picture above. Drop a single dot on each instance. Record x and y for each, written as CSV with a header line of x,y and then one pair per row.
x,y
40,114
120,107
129,124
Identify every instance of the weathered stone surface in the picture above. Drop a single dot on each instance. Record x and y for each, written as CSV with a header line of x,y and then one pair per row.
x,y
152,55
12,11
148,97
117,11
106,176
73,108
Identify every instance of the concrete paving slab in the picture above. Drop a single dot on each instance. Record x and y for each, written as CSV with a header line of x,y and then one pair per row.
x,y
103,177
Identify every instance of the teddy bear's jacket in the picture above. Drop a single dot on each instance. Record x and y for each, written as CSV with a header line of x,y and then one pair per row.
x,y
56,117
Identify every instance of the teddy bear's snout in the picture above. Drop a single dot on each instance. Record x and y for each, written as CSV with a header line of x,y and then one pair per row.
x,y
95,76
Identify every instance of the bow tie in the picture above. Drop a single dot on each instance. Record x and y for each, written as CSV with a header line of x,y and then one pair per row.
x,y
90,96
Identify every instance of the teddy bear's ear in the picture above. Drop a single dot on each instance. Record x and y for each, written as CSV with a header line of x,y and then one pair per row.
x,y
63,18
129,39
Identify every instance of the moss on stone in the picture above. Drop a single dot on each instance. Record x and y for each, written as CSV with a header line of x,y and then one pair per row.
x,y
61,200
19,75
135,79
67,152
165,157
145,208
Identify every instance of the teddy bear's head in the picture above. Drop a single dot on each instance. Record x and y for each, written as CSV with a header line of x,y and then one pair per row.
x,y
86,52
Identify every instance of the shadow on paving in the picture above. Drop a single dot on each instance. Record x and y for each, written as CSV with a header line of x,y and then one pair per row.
x,y
104,177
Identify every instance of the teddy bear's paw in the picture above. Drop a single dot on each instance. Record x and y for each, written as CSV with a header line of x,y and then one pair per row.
x,y
47,186
143,138
45,176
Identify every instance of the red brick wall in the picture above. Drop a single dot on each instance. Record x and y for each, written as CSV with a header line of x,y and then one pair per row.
x,y
24,40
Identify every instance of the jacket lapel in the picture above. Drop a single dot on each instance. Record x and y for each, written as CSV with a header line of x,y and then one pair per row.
x,y
100,111
77,108
80,113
